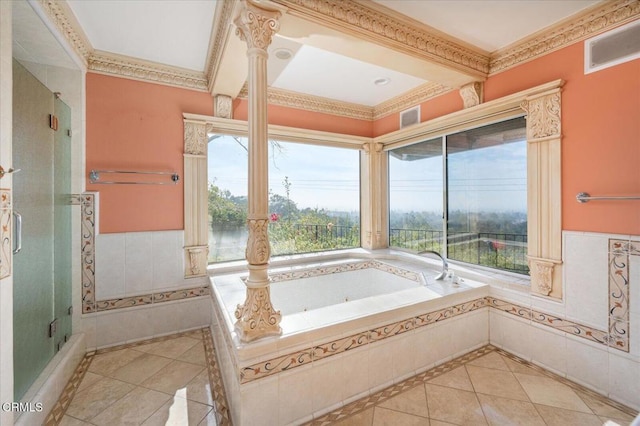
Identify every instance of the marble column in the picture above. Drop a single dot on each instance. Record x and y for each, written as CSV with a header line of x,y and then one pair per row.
x,y
256,23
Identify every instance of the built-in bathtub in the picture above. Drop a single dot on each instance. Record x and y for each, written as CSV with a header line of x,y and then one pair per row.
x,y
350,326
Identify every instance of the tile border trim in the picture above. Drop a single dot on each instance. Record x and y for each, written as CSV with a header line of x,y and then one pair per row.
x,y
620,252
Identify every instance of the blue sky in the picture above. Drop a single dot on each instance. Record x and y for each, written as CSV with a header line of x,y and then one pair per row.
x,y
488,179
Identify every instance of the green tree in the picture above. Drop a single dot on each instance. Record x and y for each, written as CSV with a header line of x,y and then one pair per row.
x,y
224,208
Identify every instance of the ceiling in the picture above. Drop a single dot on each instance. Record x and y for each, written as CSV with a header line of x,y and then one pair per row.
x,y
178,33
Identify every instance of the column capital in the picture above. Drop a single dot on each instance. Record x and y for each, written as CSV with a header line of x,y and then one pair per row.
x,y
257,22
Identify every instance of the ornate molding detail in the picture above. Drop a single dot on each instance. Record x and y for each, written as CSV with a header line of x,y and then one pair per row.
x,y
472,94
6,241
195,138
258,250
319,104
137,69
601,18
410,98
542,274
64,20
256,25
223,106
256,317
196,265
87,251
543,116
219,34
377,24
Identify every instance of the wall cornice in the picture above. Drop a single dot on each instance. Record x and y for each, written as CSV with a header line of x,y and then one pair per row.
x,y
62,17
138,69
382,26
409,99
597,19
219,33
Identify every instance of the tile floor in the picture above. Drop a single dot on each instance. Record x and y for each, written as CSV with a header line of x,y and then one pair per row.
x,y
159,382
166,382
484,387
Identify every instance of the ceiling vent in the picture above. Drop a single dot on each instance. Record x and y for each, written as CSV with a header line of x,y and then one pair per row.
x,y
612,48
410,117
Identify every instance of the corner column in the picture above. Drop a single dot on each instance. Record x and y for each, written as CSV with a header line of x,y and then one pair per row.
x,y
256,23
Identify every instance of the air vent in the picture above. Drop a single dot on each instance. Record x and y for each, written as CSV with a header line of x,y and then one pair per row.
x,y
612,48
410,117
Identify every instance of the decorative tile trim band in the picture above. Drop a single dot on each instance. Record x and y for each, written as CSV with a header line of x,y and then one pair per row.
x,y
87,251
223,416
88,262
6,224
619,254
345,267
64,400
147,299
325,350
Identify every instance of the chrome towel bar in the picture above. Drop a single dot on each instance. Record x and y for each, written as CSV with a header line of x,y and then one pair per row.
x,y
583,197
94,177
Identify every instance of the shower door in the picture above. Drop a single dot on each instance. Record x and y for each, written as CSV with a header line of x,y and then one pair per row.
x,y
42,267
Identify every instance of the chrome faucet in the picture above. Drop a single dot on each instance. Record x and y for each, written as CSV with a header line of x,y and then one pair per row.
x,y
445,266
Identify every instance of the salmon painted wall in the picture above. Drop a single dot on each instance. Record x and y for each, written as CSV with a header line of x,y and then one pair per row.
x,y
285,116
601,135
133,125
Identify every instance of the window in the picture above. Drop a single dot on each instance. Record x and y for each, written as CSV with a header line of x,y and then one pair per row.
x,y
467,188
314,198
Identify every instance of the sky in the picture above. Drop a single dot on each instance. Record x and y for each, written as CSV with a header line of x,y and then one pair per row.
x,y
488,179
323,177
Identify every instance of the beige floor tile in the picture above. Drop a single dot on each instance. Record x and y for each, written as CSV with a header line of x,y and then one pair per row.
x,y
141,368
70,421
93,400
454,406
439,423
88,380
607,421
173,377
490,360
496,382
413,401
560,417
604,410
109,362
211,419
456,378
195,355
199,389
178,411
364,418
544,390
385,417
171,348
132,409
516,367
502,411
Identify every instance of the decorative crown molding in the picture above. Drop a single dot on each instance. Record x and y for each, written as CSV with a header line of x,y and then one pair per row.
x,y
219,33
62,17
600,18
409,99
297,100
138,69
384,27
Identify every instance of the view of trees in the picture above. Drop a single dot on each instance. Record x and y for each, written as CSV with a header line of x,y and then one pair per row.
x,y
292,229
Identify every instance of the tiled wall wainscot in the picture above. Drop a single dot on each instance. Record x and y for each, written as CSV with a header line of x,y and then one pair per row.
x,y
590,338
133,284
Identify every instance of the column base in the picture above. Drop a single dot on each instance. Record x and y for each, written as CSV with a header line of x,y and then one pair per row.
x,y
256,317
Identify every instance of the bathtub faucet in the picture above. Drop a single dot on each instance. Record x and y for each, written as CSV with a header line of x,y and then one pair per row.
x,y
445,266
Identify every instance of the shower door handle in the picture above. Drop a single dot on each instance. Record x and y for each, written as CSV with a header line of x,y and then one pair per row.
x,y
18,237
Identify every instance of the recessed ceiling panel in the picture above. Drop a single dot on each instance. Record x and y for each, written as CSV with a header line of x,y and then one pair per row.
x,y
172,32
317,72
488,24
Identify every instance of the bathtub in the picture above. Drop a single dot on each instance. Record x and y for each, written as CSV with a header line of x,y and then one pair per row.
x,y
351,325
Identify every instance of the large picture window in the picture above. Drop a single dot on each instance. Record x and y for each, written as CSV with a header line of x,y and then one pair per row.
x,y
314,198
467,188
